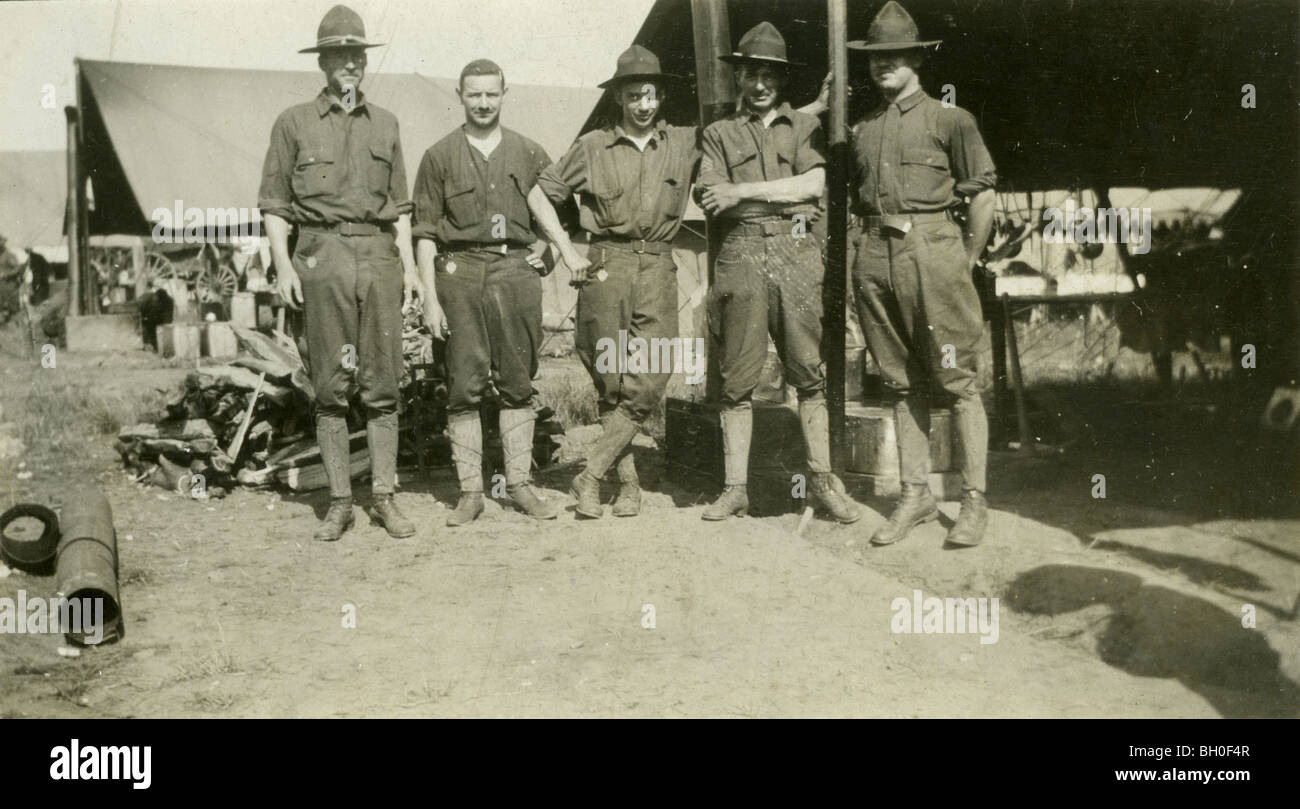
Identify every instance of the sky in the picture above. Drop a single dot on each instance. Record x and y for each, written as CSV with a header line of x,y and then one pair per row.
x,y
570,43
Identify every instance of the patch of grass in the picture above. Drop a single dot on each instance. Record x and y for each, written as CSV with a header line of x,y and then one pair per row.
x,y
426,694
142,574
53,411
212,702
219,662
571,397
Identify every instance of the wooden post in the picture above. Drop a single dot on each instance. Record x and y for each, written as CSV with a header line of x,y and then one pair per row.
x,y
998,318
74,212
89,280
837,223
1017,379
715,90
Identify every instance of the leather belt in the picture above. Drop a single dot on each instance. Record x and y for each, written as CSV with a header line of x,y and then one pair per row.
x,y
633,245
500,248
351,228
783,226
903,222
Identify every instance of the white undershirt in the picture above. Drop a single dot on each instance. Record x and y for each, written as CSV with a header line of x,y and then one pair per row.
x,y
641,142
486,145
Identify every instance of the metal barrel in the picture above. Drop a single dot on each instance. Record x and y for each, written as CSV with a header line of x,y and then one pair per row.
x,y
86,567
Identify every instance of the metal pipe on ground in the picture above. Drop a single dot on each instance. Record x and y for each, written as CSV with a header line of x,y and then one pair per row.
x,y
86,566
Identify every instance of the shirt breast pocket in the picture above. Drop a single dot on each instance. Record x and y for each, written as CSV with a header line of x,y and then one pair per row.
x,y
461,203
741,159
607,191
927,179
380,170
315,173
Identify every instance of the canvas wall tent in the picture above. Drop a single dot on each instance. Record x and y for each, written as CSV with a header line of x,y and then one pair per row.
x,y
158,134
33,187
167,136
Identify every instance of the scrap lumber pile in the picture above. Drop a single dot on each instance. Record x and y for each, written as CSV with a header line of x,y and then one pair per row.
x,y
251,423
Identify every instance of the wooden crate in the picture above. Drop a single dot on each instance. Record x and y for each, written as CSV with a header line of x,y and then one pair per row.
x,y
243,309
178,340
218,340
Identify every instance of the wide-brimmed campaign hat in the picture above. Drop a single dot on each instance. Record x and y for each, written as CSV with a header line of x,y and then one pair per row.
x,y
341,27
893,29
637,63
762,44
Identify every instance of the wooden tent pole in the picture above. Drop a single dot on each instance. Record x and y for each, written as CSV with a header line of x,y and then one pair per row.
x,y
715,91
837,220
73,214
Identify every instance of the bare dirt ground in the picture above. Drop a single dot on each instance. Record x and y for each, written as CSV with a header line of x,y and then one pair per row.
x,y
1127,606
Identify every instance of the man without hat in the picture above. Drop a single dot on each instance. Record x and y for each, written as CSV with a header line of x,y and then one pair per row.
x,y
762,176
474,238
334,169
916,161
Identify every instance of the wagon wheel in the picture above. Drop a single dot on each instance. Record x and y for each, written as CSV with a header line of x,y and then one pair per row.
x,y
158,267
100,263
215,282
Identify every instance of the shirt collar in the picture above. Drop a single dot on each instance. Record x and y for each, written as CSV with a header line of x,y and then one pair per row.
x,y
783,110
905,104
659,133
325,102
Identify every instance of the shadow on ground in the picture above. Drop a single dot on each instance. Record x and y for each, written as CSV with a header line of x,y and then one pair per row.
x,y
1153,631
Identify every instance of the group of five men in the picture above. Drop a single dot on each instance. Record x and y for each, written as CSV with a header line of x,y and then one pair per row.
x,y
484,194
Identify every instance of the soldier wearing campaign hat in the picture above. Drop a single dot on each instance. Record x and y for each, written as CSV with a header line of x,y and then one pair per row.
x,y
916,162
631,180
762,177
334,170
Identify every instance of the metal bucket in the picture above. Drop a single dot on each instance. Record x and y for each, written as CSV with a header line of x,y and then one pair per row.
x,y
87,563
23,543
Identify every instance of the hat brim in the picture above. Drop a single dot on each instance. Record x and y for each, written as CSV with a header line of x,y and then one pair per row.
x,y
863,45
664,77
740,59
321,48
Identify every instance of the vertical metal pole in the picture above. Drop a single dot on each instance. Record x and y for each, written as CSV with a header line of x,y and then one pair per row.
x,y
716,92
72,219
837,219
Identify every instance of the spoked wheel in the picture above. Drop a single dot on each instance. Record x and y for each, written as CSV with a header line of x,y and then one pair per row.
x,y
216,281
100,263
157,266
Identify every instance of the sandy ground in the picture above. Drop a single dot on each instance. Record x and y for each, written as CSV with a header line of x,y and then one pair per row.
x,y
1128,606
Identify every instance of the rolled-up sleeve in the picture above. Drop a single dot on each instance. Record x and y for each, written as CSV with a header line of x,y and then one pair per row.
x,y
972,165
810,151
275,193
427,198
713,162
567,176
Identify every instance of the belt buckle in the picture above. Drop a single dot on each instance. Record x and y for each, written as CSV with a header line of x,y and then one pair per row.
x,y
896,222
640,248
